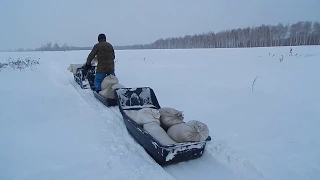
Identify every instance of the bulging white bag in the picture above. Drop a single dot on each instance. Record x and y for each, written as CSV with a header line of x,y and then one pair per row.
x,y
158,133
143,116
170,116
132,114
115,86
192,131
147,115
73,68
109,92
109,80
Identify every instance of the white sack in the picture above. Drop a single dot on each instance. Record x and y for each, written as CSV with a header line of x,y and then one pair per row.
x,y
109,91
73,68
132,114
109,81
115,86
158,133
143,116
147,115
170,116
189,132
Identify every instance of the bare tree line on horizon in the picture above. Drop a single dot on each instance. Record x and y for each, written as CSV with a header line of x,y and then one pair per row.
x,y
298,34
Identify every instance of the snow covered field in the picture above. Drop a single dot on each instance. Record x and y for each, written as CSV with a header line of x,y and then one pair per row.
x,y
263,115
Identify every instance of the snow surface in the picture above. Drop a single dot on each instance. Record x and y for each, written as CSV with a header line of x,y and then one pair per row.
x,y
263,115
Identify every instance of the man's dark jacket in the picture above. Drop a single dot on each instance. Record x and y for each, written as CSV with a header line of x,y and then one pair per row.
x,y
105,56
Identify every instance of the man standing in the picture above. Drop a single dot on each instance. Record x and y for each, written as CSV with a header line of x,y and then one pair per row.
x,y
105,56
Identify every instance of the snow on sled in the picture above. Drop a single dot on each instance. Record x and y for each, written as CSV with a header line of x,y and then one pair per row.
x,y
149,132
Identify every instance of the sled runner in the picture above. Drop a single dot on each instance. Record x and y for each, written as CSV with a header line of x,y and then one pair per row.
x,y
144,97
86,80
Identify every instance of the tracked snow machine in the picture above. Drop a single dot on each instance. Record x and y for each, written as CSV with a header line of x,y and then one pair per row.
x,y
136,99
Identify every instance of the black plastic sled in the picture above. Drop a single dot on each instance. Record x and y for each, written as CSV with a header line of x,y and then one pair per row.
x,y
143,97
86,80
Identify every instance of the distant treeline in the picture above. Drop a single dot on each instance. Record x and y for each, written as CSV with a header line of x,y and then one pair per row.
x,y
56,47
298,34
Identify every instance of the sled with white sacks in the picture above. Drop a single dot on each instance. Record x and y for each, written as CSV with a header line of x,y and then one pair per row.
x,y
162,132
86,80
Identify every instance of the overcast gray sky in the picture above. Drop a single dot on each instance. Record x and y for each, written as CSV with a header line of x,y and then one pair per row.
x,y
30,23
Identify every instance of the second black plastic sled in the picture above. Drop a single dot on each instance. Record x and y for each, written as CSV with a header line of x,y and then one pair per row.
x,y
86,80
144,97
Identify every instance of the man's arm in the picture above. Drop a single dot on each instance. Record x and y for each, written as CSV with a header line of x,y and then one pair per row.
x,y
114,56
92,54
112,51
